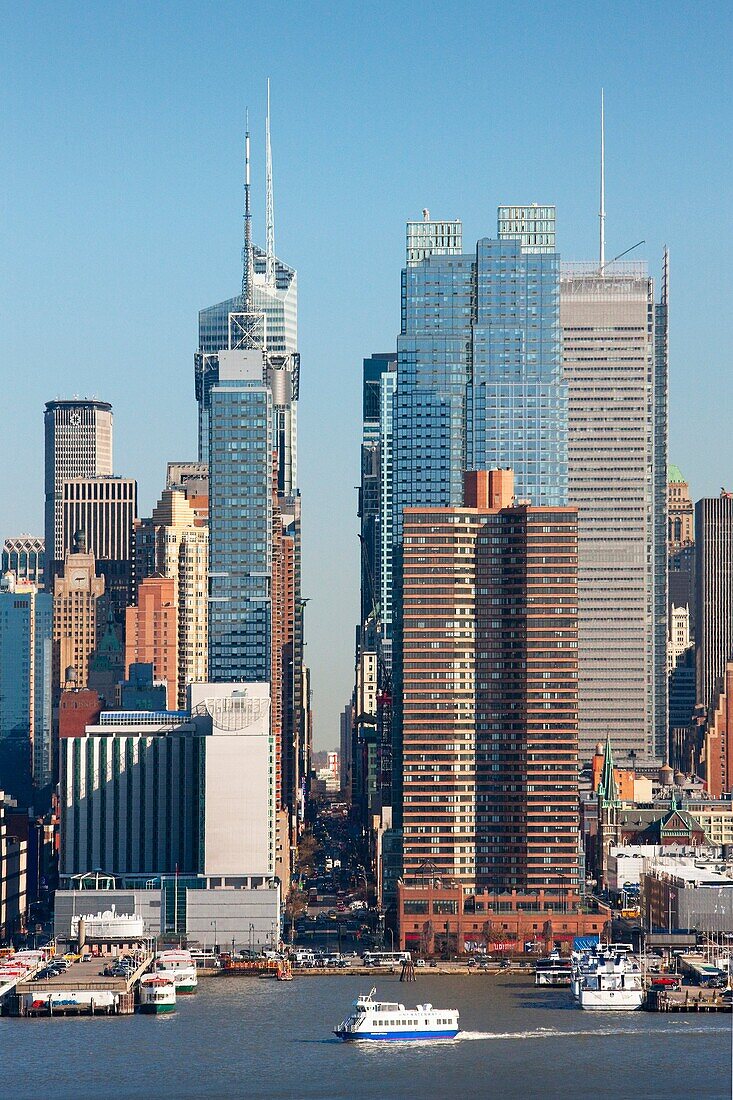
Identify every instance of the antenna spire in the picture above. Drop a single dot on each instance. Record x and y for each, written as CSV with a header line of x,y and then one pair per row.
x,y
269,205
602,211
247,256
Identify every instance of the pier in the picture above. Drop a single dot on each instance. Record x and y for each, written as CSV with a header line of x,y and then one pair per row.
x,y
687,1000
82,989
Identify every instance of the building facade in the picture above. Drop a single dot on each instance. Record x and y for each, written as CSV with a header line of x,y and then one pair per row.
x,y
714,593
26,625
151,633
174,543
25,556
240,521
78,443
370,491
681,544
151,792
717,754
76,626
105,510
489,724
615,362
13,874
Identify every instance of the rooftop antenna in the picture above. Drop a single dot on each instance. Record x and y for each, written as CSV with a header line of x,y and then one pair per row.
x,y
247,258
269,206
602,211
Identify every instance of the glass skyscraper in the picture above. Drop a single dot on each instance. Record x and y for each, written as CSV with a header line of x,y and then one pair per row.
x,y
26,622
479,381
278,304
240,520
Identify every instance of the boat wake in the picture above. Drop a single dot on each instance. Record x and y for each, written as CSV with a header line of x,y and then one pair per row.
x,y
556,1033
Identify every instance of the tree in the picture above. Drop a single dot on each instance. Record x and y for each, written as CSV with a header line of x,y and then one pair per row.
x,y
296,904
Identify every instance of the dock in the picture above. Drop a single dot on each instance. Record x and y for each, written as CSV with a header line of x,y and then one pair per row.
x,y
82,989
689,999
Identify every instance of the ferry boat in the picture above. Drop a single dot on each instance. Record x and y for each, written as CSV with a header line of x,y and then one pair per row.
x,y
180,967
554,970
613,982
157,993
372,1020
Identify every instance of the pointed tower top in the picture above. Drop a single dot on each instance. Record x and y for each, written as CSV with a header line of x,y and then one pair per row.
x,y
269,204
607,789
602,210
247,251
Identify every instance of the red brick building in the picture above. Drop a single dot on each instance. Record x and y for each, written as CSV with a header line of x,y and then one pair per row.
x,y
151,632
489,714
438,918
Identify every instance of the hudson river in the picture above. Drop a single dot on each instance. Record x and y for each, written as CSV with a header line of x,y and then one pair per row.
x,y
241,1037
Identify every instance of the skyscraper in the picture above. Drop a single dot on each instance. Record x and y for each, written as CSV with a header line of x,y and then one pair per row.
x,y
370,491
174,543
616,377
247,371
25,556
615,353
240,520
489,732
26,617
78,443
714,594
479,377
479,380
264,315
105,510
76,595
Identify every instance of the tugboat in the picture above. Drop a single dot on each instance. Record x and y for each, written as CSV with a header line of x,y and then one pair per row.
x,y
157,994
373,1020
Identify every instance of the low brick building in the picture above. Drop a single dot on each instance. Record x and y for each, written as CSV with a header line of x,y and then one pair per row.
x,y
437,918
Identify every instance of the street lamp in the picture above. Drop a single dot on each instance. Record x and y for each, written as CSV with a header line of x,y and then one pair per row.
x,y
216,938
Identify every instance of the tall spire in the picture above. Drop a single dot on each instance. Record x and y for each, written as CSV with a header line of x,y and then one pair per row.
x,y
602,211
269,206
607,788
247,255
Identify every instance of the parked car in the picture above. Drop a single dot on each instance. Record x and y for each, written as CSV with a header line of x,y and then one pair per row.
x,y
420,963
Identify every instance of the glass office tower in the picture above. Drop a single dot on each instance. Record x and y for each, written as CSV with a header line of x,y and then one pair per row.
x,y
240,520
479,380
279,306
517,401
26,622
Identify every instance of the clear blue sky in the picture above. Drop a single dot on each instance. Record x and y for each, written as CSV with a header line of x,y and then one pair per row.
x,y
121,145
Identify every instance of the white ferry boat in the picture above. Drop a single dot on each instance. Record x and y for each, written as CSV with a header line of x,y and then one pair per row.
x,y
370,1020
614,982
157,993
554,970
180,967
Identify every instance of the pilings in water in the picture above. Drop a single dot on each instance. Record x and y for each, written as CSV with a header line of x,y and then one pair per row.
x,y
408,972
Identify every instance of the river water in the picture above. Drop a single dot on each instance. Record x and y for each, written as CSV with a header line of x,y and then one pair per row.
x,y
244,1037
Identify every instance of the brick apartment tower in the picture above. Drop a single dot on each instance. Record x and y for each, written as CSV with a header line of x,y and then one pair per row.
x,y
151,633
490,723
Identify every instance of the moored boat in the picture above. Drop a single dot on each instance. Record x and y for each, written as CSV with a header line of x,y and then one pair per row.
x,y
385,1020
180,967
157,994
614,982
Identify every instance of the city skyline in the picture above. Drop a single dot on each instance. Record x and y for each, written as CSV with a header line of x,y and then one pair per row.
x,y
332,348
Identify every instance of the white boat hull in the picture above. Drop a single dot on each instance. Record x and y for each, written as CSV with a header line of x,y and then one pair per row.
x,y
617,1000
